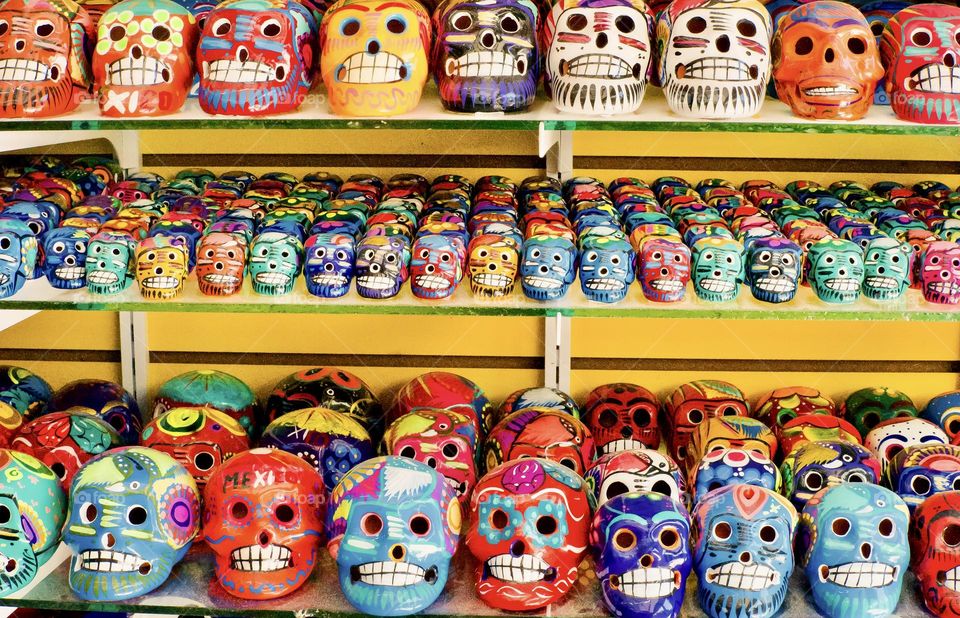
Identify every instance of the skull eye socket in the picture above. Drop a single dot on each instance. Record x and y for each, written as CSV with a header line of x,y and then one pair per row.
x,y
625,24
786,260
371,524
935,259
876,28
840,526
239,510
450,450
4,26
271,28
813,480
420,525
58,247
390,258
409,452
569,463
368,254
535,253
4,514
885,527
509,24
577,22
117,33
803,46
768,534
284,513
546,524
857,46
695,416
88,513
607,419
350,27
396,25
499,519
920,485
856,477
746,27
764,256
615,260
697,25
203,461
722,531
222,27
341,255
591,256
462,21
921,37
624,539
669,538
951,535
160,33
136,515
44,28
656,255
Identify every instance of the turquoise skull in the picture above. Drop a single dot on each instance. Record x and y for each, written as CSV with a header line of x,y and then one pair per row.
x,y
887,266
835,270
717,268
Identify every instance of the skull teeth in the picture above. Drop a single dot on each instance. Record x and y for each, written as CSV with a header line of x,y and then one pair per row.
x,y
717,285
842,284
389,573
598,65
830,91
721,69
742,576
376,282
617,446
937,78
430,282
951,579
379,68
261,558
519,569
161,283
492,280
108,561
775,285
647,583
604,285
102,277
22,70
236,72
882,283
69,272
667,285
486,64
327,279
542,283
272,278
140,71
220,279
859,574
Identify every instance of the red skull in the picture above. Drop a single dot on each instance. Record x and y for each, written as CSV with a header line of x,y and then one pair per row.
x,y
449,391
939,272
935,549
541,432
622,417
221,260
815,428
692,403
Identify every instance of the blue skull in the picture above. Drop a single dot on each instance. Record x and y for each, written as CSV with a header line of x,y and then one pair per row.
x,y
773,270
811,466
394,524
110,260
919,471
606,269
547,267
133,515
944,410
639,542
40,217
743,554
18,256
65,258
852,544
328,266
732,466
382,265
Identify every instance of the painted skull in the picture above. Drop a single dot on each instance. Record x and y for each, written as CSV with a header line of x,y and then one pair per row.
x,y
110,263
714,57
944,410
198,438
221,262
382,265
920,50
548,267
162,267
887,268
394,525
276,259
717,268
444,440
852,544
209,388
640,469
918,472
733,466
529,527
867,407
639,542
814,465
622,417
106,400
538,397
328,264
134,513
64,441
717,434
374,56
773,269
663,268
492,264
825,61
445,391
606,269
436,265
18,256
598,55
65,258
143,61
256,57
263,518
780,406
485,55
939,272
813,428
893,435
44,69
934,541
540,432
331,442
742,551
834,269
22,393
691,403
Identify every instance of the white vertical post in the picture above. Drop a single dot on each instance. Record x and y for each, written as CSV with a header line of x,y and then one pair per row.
x,y
556,148
134,355
556,351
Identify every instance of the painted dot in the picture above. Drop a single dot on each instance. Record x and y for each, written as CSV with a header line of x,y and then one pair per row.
x,y
180,513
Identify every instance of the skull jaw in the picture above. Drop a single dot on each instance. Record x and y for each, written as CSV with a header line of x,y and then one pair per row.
x,y
327,285
664,606
256,585
602,97
38,99
773,290
486,95
836,296
224,286
714,100
716,290
922,106
884,288
373,99
27,564
543,289
106,586
67,283
595,290
149,290
389,600
942,292
853,105
129,102
510,596
121,283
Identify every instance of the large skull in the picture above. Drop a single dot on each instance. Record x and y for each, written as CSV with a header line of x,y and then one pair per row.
x,y
540,432
529,527
691,403
598,55
641,469
485,55
918,472
935,547
208,388
18,256
622,417
714,57
105,400
812,466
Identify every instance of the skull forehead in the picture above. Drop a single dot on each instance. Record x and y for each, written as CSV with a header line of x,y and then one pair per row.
x,y
824,14
722,15
643,509
142,9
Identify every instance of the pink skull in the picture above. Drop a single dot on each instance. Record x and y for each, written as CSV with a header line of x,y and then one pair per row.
x,y
939,272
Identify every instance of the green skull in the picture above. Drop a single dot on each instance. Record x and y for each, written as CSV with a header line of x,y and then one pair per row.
x,y
886,268
867,407
835,270
717,268
275,263
110,260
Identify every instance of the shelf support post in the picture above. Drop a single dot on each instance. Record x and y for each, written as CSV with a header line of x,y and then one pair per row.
x,y
134,355
556,148
556,351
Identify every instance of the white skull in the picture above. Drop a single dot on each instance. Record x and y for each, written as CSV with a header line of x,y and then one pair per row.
x,y
598,58
717,61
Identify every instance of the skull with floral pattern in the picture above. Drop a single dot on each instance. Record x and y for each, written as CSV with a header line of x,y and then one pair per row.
x,y
813,428
917,472
276,259
110,263
540,432
867,407
893,435
717,268
887,268
733,466
814,465
65,258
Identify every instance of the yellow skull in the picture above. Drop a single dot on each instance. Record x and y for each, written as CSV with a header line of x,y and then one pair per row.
x,y
161,268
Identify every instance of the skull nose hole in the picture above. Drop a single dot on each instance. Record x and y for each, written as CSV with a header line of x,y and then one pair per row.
x,y
842,272
881,270
949,60
11,566
646,561
19,45
373,47
135,52
109,540
218,266
430,268
717,274
745,557
544,269
518,548
723,43
828,55
488,40
626,432
865,550
774,272
263,538
243,54
158,270
328,267
397,552
664,272
603,272
602,40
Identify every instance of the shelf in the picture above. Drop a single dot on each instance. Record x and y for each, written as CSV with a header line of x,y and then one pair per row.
x,y
192,591
775,117
38,295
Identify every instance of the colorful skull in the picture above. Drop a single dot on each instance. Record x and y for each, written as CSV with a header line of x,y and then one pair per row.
x,y
104,399
714,57
446,391
742,551
143,61
893,435
733,466
622,417
44,69
852,543
606,269
134,513
691,403
934,539
221,262
538,397
394,526
492,265
716,434
64,441
18,255
198,438
663,268
444,440
867,407
276,259
436,265
944,410
382,265
529,528
782,405
110,263
918,472
639,542
540,432
328,264
256,57
825,61
834,269
920,50
208,388
373,57
813,428
65,258
640,469
717,268
331,442
162,267
22,391
887,268
939,272
773,269
814,465
547,267
598,55
263,518
485,55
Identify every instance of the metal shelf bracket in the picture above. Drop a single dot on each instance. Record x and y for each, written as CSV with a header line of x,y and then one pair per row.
x,y
556,352
556,147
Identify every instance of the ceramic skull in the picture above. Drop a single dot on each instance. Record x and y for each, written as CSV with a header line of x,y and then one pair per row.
x,y
162,267
714,57
890,437
887,268
773,269
221,263
111,258
920,471
383,265
867,407
663,268
106,400
328,264
635,470
606,269
622,417
540,432
547,267
18,256
692,403
939,272
276,260
445,391
65,258
944,410
492,264
598,55
935,547
209,388
834,269
436,265
733,466
717,268
812,466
